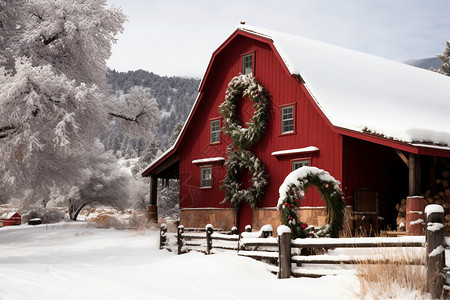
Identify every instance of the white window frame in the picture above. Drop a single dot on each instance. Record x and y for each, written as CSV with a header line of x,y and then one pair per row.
x,y
286,120
206,177
214,135
245,63
298,163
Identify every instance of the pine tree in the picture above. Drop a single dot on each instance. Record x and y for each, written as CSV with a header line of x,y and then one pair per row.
x,y
445,57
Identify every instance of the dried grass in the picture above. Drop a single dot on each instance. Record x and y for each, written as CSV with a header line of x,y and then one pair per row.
x,y
108,221
401,271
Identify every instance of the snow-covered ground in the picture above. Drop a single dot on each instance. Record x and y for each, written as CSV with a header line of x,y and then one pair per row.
x,y
77,261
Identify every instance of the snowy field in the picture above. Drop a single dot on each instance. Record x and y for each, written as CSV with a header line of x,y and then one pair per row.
x,y
76,261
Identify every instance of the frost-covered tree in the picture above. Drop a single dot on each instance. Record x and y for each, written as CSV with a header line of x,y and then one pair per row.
x,y
137,114
445,57
175,133
47,122
101,181
75,37
52,98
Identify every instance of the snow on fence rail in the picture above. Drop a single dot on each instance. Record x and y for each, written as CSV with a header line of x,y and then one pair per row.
x,y
282,252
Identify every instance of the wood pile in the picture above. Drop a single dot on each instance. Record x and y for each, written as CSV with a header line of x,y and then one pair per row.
x,y
441,196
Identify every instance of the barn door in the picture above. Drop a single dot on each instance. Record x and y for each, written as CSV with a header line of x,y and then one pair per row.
x,y
365,211
244,216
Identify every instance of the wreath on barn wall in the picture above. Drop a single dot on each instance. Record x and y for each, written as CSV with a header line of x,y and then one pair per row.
x,y
237,162
293,189
239,158
239,87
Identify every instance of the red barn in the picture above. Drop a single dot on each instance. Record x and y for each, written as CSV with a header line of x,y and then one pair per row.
x,y
380,127
10,219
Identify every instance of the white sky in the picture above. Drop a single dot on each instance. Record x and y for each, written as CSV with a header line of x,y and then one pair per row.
x,y
177,37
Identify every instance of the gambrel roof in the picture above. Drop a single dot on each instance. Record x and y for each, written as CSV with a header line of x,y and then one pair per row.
x,y
362,92
361,95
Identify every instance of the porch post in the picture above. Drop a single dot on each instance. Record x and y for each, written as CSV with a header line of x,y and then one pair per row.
x,y
412,166
152,210
153,190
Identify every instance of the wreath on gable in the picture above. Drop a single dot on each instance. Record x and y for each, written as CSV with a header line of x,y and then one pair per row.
x,y
293,190
239,158
244,86
237,162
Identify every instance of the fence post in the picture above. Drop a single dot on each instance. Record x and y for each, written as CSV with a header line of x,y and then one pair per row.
x,y
435,249
180,231
162,235
234,230
267,231
209,231
284,251
248,228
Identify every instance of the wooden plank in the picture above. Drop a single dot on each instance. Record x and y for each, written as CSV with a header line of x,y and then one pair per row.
x,y
224,247
327,243
316,273
328,259
357,245
272,256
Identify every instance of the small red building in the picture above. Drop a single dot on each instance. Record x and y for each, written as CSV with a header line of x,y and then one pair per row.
x,y
380,127
10,219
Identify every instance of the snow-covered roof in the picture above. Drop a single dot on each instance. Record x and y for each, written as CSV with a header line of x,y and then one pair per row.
x,y
362,92
8,215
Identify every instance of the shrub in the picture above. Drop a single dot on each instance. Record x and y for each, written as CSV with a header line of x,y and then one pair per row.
x,y
47,215
107,221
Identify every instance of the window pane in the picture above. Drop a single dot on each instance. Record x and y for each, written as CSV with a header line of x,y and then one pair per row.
x,y
247,64
287,119
299,163
205,177
215,131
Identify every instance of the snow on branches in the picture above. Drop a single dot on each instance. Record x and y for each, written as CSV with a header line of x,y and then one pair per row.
x,y
52,93
40,107
138,114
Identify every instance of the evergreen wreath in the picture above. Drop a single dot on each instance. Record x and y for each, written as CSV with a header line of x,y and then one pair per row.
x,y
244,86
239,158
293,190
237,162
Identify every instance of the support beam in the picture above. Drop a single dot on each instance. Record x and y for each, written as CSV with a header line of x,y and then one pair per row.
x,y
402,156
153,190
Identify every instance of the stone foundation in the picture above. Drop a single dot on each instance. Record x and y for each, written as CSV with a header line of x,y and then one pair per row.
x,y
223,218
310,215
263,216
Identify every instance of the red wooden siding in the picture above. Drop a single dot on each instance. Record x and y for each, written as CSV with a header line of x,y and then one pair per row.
x,y
312,129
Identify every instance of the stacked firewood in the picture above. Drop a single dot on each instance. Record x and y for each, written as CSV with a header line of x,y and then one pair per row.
x,y
441,197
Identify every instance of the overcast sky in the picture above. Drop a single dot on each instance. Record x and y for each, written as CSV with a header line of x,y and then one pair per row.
x,y
177,37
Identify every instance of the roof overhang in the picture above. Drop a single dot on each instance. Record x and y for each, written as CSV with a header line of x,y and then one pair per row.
x,y
167,166
415,148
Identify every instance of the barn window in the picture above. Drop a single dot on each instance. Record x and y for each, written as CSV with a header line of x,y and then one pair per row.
x,y
205,177
296,164
247,64
287,119
214,136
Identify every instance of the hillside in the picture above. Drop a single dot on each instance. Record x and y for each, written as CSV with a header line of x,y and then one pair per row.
x,y
425,63
174,96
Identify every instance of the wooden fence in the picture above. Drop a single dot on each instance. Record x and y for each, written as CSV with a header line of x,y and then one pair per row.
x,y
282,252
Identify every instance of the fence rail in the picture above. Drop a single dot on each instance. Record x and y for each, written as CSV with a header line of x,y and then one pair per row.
x,y
281,252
